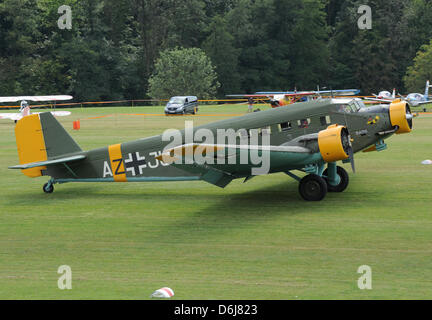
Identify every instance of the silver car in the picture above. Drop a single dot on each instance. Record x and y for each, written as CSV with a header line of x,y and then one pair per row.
x,y
182,105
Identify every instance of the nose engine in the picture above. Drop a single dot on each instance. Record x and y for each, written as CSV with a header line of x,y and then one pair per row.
x,y
401,116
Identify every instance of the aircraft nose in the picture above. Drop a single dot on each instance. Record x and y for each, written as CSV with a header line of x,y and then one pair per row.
x,y
401,116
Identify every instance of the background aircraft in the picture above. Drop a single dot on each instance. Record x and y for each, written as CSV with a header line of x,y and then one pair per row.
x,y
277,100
25,108
414,99
325,93
310,137
280,99
417,99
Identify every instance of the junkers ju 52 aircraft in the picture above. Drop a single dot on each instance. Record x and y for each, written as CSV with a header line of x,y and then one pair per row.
x,y
310,137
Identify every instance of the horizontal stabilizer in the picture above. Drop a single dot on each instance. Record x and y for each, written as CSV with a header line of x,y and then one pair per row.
x,y
48,162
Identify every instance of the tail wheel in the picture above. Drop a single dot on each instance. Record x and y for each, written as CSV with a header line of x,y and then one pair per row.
x,y
344,180
48,188
313,188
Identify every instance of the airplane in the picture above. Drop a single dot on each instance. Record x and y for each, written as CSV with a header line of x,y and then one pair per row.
x,y
25,108
310,137
280,99
414,99
276,100
417,99
345,92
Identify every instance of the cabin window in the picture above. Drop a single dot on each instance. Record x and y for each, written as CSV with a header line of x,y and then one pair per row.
x,y
325,120
266,131
304,123
285,126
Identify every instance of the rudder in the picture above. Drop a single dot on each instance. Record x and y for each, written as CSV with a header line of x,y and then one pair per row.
x,y
40,137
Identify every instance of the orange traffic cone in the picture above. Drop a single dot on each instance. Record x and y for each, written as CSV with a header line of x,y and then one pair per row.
x,y
76,125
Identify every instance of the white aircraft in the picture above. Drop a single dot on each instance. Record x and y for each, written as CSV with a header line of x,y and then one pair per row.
x,y
25,108
384,96
414,99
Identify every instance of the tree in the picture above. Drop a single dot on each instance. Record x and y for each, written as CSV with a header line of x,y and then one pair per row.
x,y
183,72
421,71
374,59
219,46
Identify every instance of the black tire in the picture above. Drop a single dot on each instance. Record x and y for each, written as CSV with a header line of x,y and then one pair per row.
x,y
48,188
193,112
344,177
15,121
313,188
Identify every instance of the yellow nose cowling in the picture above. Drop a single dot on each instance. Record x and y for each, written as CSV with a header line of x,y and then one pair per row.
x,y
331,145
398,116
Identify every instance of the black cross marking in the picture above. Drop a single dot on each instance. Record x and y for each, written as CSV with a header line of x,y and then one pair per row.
x,y
135,163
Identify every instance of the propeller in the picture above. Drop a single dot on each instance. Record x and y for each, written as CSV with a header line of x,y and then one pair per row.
x,y
347,145
351,158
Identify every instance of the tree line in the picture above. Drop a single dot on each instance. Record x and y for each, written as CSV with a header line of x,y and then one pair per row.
x,y
113,48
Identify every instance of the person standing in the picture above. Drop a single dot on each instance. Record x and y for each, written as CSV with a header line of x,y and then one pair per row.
x,y
250,104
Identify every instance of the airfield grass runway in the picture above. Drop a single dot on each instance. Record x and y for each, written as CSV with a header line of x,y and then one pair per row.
x,y
257,240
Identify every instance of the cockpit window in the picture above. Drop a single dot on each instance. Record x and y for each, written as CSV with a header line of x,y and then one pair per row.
x,y
356,105
346,108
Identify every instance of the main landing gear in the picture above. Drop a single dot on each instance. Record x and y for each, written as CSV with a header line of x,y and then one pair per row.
x,y
314,187
48,187
342,177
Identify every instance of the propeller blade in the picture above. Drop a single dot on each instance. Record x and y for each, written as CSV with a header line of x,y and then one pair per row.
x,y
351,157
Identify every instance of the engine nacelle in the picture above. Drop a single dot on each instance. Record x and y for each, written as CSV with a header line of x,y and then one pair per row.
x,y
400,115
334,143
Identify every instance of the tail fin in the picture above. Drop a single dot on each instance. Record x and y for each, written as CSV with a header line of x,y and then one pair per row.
x,y
394,93
41,137
427,89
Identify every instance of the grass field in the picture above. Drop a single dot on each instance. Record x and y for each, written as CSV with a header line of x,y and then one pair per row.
x,y
257,240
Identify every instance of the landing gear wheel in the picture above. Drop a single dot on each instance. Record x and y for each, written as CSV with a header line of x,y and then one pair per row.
x,y
344,180
313,188
48,188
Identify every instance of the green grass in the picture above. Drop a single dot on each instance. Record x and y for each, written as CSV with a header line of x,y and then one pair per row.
x,y
257,240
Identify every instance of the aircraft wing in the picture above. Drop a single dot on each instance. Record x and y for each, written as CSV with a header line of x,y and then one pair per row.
x,y
423,102
345,92
380,100
271,95
222,175
11,116
35,98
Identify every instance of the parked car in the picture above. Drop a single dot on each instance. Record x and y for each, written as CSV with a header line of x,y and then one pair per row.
x,y
182,105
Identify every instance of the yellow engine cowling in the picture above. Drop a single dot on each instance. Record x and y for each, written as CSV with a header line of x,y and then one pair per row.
x,y
333,143
398,116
